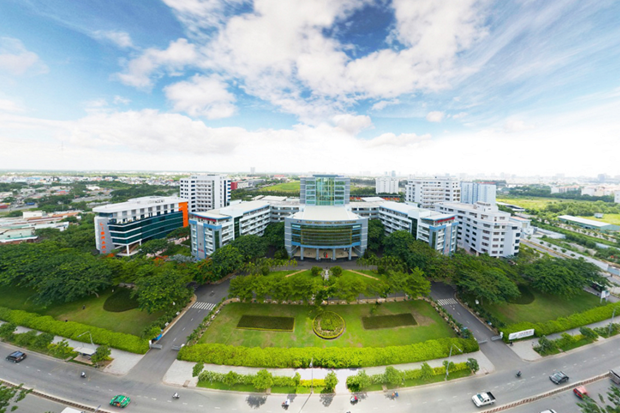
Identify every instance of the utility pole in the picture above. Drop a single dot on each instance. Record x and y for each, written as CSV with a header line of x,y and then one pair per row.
x,y
450,355
311,376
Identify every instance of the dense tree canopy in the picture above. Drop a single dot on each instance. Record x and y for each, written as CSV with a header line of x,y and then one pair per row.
x,y
250,246
482,280
376,234
565,277
158,291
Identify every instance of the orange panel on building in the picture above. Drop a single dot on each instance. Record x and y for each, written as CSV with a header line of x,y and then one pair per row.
x,y
183,208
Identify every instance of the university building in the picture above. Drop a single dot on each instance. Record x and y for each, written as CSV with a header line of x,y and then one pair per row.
x,y
126,225
205,192
426,192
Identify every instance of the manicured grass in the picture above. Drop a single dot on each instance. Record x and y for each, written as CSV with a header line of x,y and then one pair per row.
x,y
545,307
536,203
297,390
254,322
131,321
613,219
328,325
526,297
430,326
285,187
120,301
388,321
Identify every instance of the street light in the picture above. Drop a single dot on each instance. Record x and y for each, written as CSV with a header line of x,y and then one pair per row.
x,y
450,355
611,322
311,376
91,337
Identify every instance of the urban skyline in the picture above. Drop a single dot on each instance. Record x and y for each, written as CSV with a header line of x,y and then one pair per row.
x,y
481,87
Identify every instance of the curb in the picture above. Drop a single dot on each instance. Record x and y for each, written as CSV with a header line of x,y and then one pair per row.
x,y
178,317
547,394
56,399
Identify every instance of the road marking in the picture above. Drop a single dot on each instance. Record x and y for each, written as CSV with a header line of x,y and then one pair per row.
x,y
203,306
446,301
191,319
183,329
174,339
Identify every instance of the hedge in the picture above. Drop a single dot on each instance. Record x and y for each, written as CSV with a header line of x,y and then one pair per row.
x,y
278,381
562,324
72,330
414,374
332,357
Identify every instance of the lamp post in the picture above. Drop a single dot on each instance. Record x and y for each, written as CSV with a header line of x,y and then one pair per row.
x,y
311,376
91,337
611,322
450,355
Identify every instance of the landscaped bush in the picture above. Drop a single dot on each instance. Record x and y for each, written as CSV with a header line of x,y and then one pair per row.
x,y
332,357
120,301
562,324
566,342
232,378
328,325
73,330
388,321
257,322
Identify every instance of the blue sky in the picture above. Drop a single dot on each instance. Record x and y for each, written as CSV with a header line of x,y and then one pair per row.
x,y
522,87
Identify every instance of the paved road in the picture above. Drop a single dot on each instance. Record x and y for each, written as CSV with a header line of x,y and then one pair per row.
x,y
500,355
62,379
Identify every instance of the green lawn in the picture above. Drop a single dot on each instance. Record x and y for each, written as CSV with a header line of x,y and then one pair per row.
x,y
534,203
613,219
430,326
285,187
545,307
131,321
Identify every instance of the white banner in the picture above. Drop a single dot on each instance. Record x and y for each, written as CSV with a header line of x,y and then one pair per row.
x,y
521,334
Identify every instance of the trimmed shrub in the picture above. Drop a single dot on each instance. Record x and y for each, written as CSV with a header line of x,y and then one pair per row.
x,y
394,376
331,357
328,325
259,322
73,330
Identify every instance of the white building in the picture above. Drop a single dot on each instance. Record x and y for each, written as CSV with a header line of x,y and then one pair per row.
x,y
617,197
213,229
484,229
386,185
205,192
472,192
426,192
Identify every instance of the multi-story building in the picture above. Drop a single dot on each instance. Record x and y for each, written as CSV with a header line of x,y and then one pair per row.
x,y
484,229
126,225
324,190
205,192
426,192
438,230
386,185
472,192
617,197
213,229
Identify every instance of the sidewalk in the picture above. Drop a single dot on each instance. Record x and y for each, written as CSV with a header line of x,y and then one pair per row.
x,y
181,371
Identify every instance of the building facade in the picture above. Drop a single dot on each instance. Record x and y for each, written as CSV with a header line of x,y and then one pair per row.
x,y
472,192
213,229
205,192
426,192
617,197
386,185
126,225
484,229
325,190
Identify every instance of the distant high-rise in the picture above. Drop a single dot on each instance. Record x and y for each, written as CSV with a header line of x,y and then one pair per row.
x,y
472,192
426,192
252,170
206,192
386,185
324,190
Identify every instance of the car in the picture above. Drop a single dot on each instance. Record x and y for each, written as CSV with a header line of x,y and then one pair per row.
x,y
120,401
580,392
558,377
16,356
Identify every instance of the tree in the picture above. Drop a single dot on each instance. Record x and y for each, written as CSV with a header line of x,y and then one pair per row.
x,y
564,277
231,378
476,277
472,364
263,380
393,376
154,246
414,284
197,369
274,234
336,271
426,371
590,405
349,290
397,244
224,261
376,234
11,395
102,354
158,292
331,381
250,246
360,381
315,271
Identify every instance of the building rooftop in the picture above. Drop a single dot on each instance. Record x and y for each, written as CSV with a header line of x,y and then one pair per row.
x,y
326,213
137,203
232,210
585,221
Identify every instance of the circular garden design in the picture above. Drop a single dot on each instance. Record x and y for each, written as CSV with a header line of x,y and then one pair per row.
x,y
328,325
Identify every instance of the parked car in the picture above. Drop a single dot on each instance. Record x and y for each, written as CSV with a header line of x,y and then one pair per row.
x,y
16,356
558,377
581,392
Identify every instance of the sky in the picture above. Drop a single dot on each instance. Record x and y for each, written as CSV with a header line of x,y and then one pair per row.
x,y
526,87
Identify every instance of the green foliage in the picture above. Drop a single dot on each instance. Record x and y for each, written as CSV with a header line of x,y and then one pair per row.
x,y
562,324
413,284
328,325
7,331
61,350
565,277
11,396
485,279
315,271
102,354
157,292
263,380
388,321
546,346
250,246
397,244
472,364
588,333
42,341
231,378
426,371
274,234
72,330
359,381
197,369
224,261
330,357
331,381
336,271
393,376
120,301
590,405
24,339
255,322
376,234
154,246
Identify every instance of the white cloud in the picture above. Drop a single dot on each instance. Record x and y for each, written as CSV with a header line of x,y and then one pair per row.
x,y
384,103
16,60
515,125
459,115
200,14
152,62
435,116
351,123
121,100
119,38
202,96
397,142
10,106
